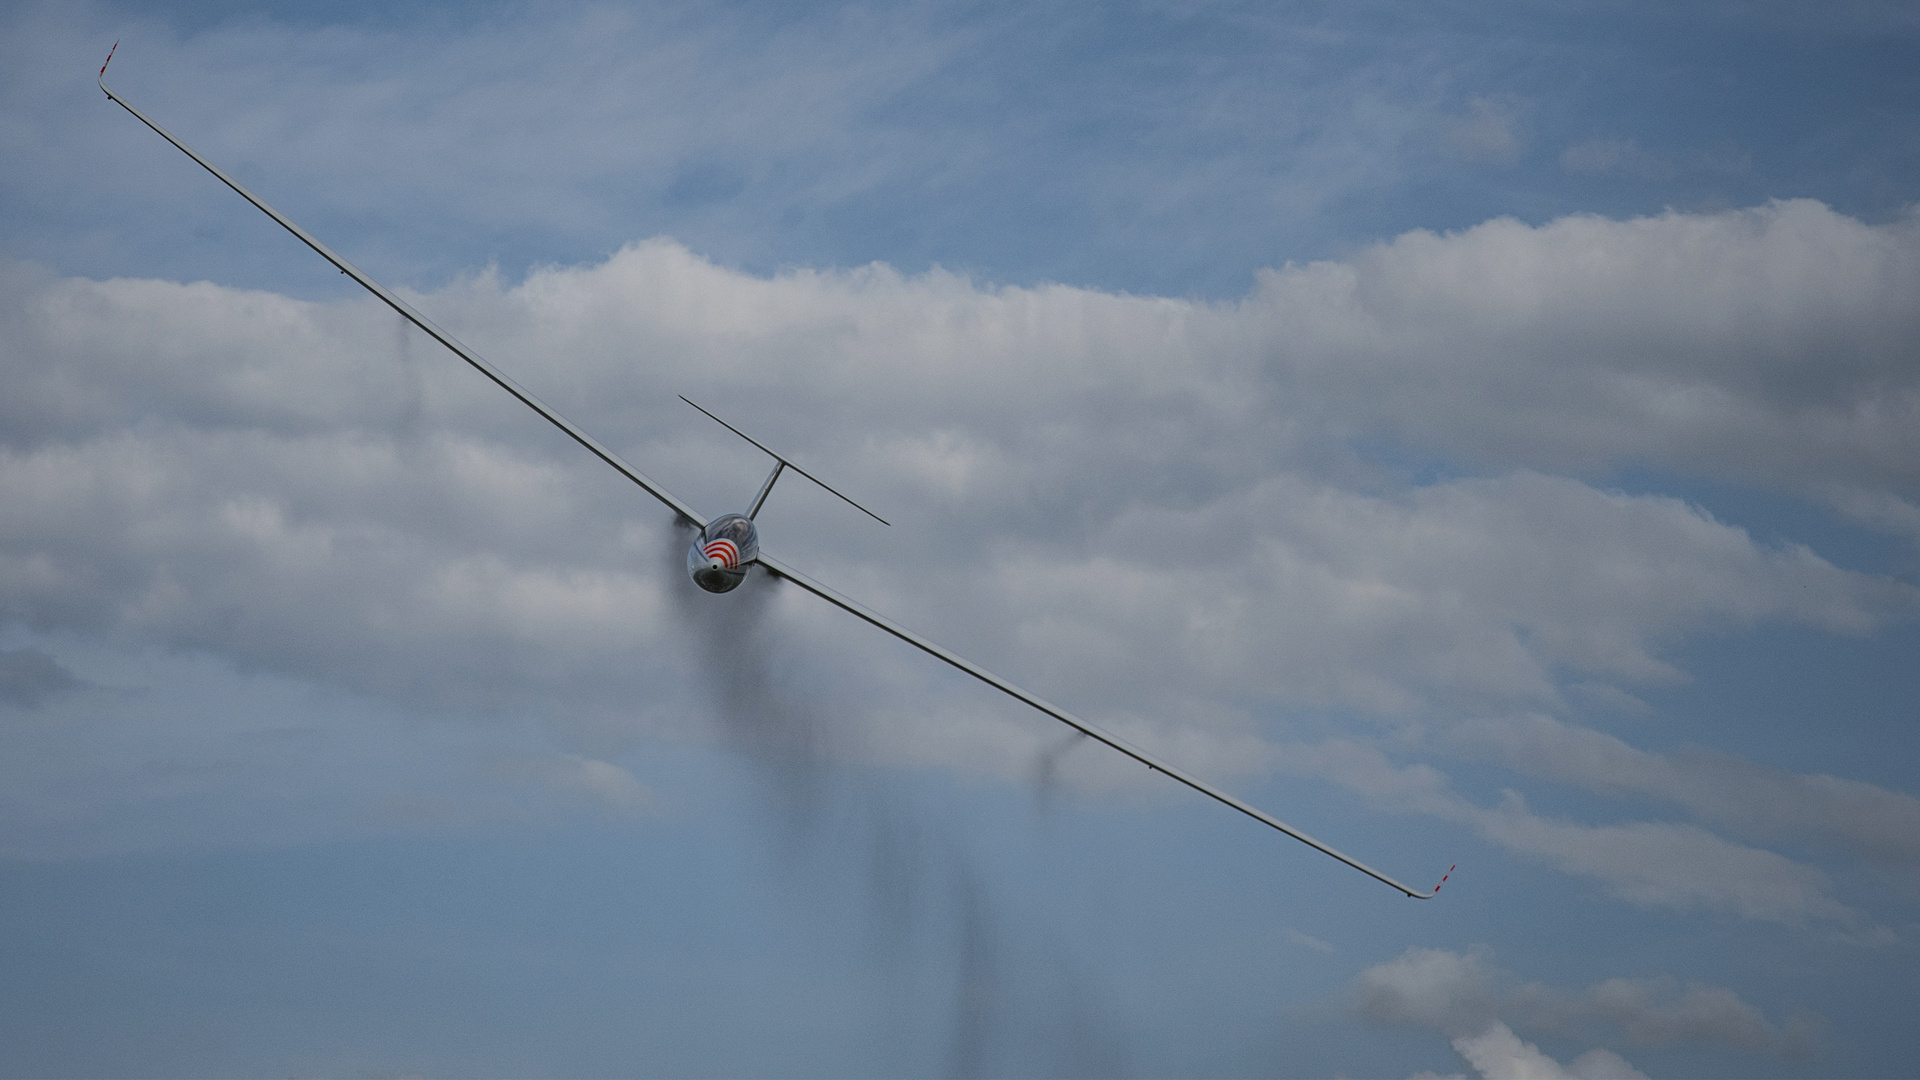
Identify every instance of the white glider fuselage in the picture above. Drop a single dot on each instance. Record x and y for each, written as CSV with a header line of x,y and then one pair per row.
x,y
718,560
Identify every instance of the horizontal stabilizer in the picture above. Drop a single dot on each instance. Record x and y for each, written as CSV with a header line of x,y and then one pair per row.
x,y
787,463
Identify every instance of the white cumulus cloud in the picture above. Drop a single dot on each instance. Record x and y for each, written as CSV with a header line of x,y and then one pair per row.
x,y
1155,511
1498,1054
1477,1006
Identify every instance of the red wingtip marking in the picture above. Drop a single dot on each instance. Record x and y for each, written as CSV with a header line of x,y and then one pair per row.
x,y
1445,876
103,67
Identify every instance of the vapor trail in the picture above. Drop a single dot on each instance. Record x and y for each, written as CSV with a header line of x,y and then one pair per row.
x,y
916,875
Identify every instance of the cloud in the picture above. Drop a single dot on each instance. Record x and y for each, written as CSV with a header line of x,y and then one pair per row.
x,y
1488,130
1718,789
29,677
1309,941
1477,1006
1167,528
601,783
1419,594
1656,864
1702,1014
1773,345
159,750
1453,993
1498,1054
1667,865
1877,509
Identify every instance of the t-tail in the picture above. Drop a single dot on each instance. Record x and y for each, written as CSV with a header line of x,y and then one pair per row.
x,y
730,543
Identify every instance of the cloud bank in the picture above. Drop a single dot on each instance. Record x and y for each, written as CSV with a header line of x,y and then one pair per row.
x,y
1477,1006
1174,516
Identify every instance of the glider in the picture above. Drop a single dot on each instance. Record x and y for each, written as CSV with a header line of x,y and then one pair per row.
x,y
727,546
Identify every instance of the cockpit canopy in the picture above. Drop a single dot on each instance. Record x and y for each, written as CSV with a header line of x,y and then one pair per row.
x,y
737,528
718,561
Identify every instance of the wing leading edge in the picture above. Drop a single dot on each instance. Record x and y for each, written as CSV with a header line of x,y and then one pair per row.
x,y
1071,720
688,513
406,310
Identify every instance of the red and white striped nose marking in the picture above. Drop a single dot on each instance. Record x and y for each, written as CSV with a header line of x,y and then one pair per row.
x,y
725,551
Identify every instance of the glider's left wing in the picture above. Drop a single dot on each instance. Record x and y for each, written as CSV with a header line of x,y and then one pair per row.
x,y
1073,721
406,310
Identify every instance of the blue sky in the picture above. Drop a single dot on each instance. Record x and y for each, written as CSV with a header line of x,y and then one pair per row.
x,y
1475,433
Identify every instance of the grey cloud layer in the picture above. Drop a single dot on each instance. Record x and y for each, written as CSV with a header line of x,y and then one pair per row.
x,y
1775,345
1149,509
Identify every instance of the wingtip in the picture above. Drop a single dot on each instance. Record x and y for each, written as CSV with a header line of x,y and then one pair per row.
x,y
1443,879
110,52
